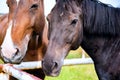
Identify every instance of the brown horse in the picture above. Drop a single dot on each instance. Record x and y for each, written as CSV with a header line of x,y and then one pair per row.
x,y
26,20
32,53
24,31
89,23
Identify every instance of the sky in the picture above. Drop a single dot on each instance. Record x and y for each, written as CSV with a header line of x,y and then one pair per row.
x,y
48,6
3,6
50,3
115,3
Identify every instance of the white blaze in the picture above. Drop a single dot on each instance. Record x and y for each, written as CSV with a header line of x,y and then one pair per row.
x,y
7,45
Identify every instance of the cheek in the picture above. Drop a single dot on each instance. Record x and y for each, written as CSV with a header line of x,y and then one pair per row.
x,y
18,34
27,20
74,36
22,38
68,37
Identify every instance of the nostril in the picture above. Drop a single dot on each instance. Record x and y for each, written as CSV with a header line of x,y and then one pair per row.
x,y
55,65
16,53
17,50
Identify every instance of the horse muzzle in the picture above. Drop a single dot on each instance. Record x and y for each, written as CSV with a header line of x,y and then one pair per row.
x,y
51,68
14,58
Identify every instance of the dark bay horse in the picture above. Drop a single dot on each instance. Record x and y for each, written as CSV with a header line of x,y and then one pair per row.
x,y
89,23
23,33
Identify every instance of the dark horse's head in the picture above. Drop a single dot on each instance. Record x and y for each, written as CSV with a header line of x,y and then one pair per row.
x,y
65,33
25,17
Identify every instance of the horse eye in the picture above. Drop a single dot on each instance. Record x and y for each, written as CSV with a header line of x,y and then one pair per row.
x,y
34,6
74,21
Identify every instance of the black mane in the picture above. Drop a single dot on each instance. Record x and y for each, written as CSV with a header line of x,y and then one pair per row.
x,y
100,19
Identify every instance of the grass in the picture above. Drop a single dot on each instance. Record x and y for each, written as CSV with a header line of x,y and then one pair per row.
x,y
1,62
77,72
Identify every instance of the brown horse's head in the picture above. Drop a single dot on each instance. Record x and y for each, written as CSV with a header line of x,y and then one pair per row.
x,y
25,17
64,33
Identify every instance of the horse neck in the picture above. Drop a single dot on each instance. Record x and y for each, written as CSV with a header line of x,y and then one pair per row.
x,y
100,19
100,23
100,48
92,44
